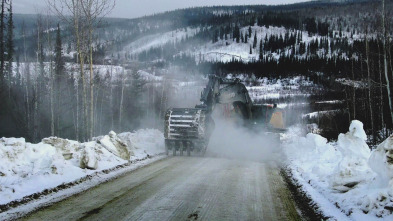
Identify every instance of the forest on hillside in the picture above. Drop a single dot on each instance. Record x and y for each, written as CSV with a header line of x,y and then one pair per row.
x,y
51,85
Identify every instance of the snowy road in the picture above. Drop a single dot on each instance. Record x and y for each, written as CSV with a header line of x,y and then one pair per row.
x,y
183,188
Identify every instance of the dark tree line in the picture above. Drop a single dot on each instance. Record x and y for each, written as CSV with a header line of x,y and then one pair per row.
x,y
6,58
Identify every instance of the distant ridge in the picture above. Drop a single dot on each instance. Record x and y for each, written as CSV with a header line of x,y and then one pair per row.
x,y
342,1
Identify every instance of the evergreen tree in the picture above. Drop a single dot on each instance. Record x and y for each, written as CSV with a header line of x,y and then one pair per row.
x,y
255,40
340,33
250,49
222,33
245,38
215,36
260,51
59,62
236,33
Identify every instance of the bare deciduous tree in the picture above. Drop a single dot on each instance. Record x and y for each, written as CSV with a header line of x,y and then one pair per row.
x,y
384,36
94,11
84,16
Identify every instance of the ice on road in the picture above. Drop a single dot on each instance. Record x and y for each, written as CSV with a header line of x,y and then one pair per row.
x,y
183,188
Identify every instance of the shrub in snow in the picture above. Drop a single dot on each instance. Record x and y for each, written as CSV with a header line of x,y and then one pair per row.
x,y
352,168
381,162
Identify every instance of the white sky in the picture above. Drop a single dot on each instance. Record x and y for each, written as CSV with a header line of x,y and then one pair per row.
x,y
138,8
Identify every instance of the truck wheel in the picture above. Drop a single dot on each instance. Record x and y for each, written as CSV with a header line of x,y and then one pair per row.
x,y
188,151
202,153
166,148
181,147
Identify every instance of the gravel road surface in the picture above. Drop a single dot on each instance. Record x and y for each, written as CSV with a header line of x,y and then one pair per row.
x,y
183,188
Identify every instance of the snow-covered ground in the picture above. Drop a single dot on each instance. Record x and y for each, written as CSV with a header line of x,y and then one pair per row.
x,y
345,179
27,168
352,83
317,113
264,88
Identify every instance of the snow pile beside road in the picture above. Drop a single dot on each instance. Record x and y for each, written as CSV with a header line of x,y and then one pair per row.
x,y
352,169
381,162
144,143
343,177
27,168
115,145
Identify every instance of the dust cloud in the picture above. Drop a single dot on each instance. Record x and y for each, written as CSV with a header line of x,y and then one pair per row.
x,y
233,141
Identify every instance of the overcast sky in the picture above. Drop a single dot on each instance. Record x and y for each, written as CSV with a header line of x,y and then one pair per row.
x,y
138,8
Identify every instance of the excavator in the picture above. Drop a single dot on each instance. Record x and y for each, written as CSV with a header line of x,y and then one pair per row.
x,y
189,129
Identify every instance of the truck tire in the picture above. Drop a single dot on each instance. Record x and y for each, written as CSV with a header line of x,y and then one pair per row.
x,y
167,148
181,147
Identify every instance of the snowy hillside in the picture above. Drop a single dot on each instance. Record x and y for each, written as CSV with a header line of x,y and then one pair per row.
x,y
157,40
228,50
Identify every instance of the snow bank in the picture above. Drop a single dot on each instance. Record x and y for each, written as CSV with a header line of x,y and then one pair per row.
x,y
343,173
115,145
312,155
27,168
352,169
144,142
381,162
